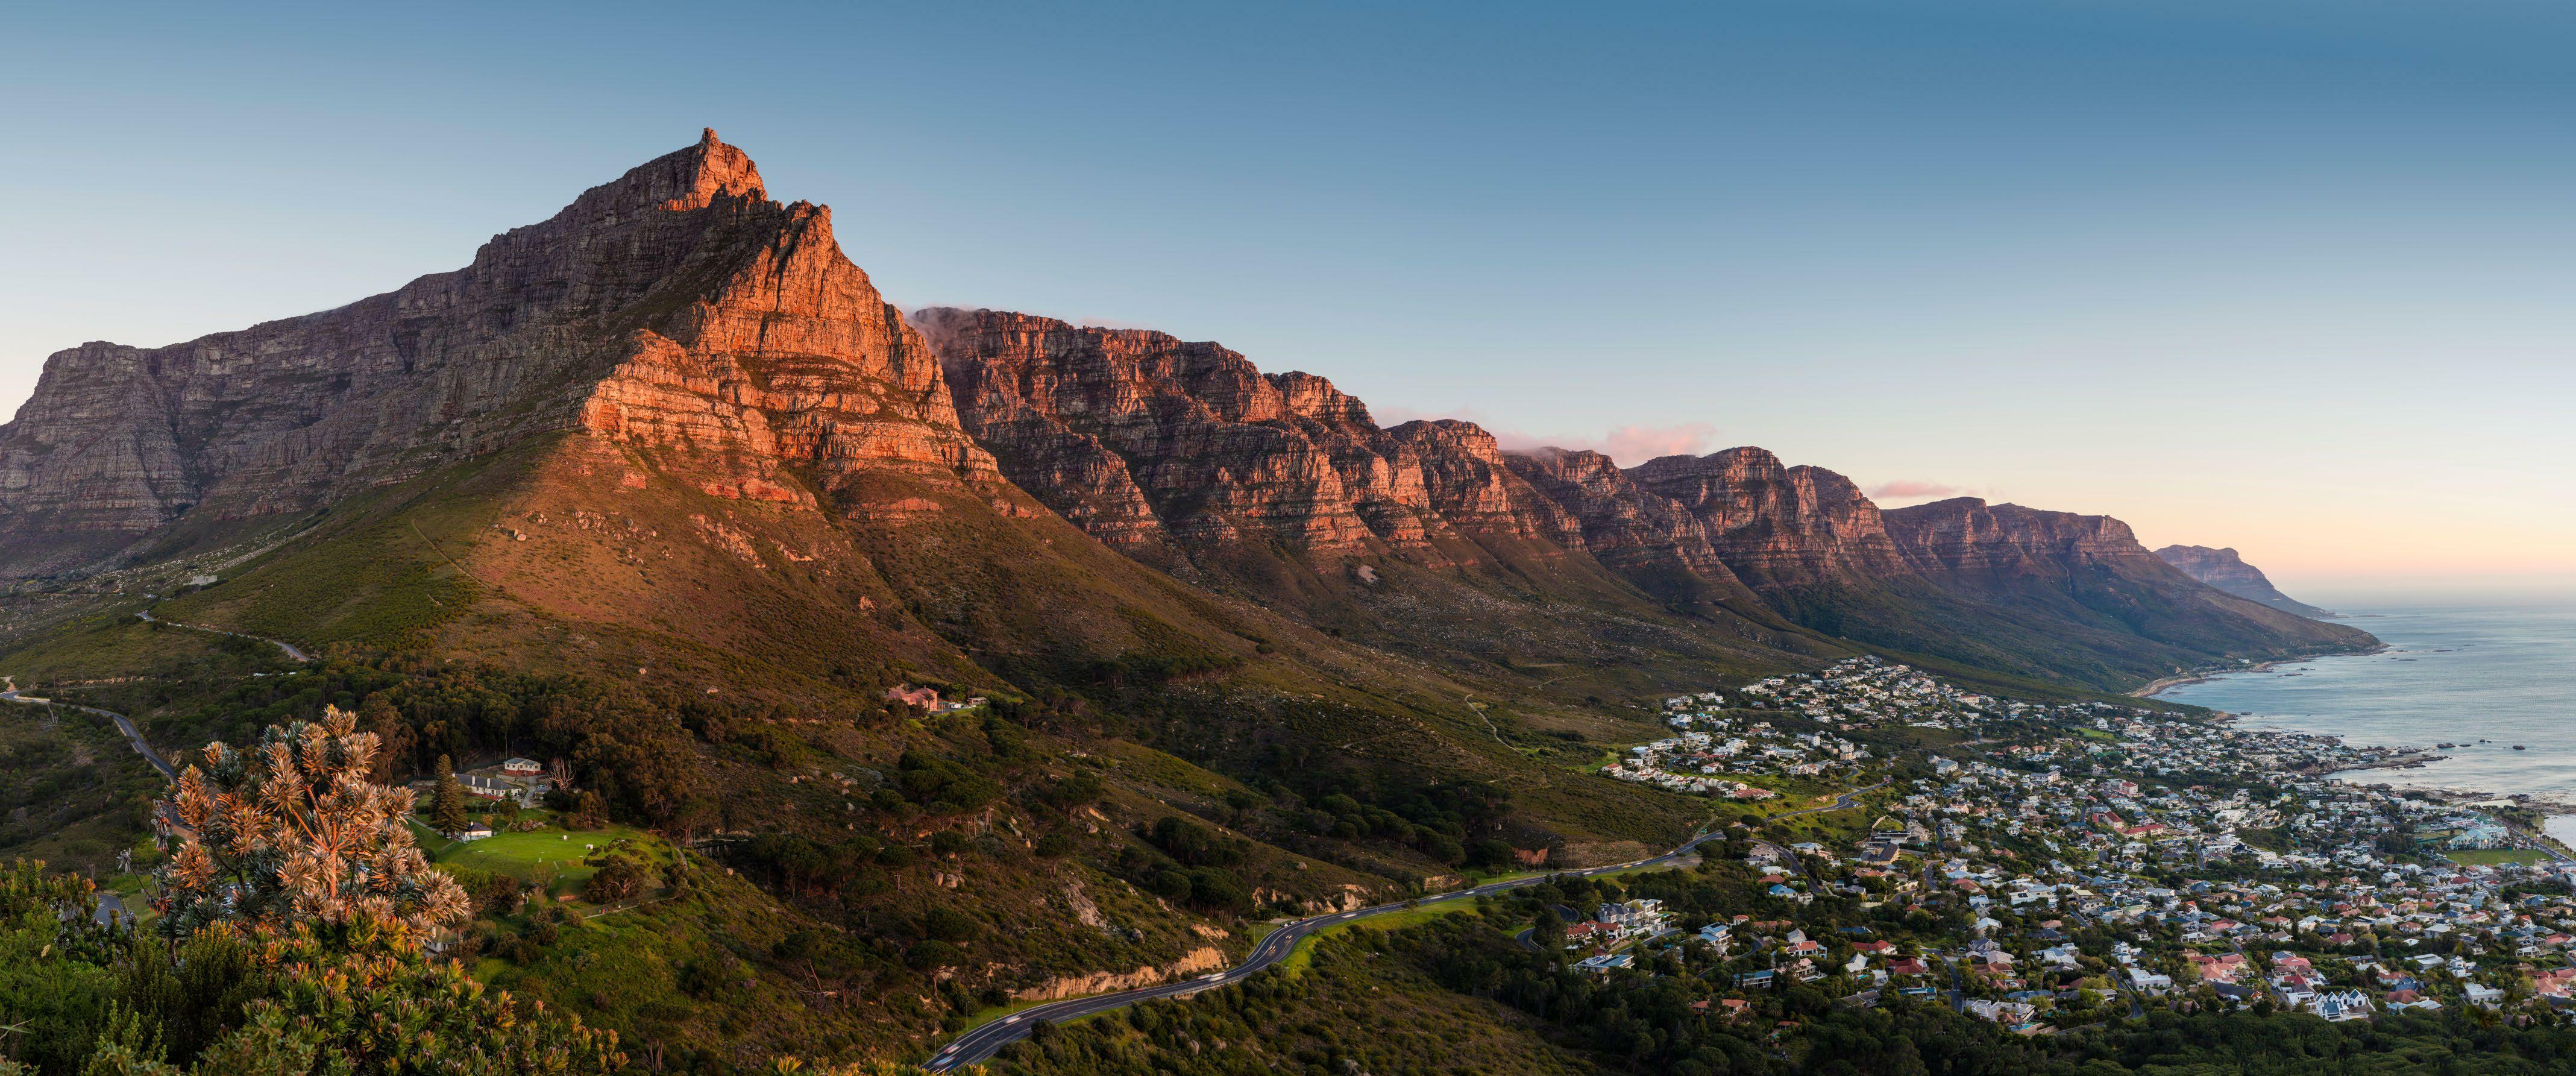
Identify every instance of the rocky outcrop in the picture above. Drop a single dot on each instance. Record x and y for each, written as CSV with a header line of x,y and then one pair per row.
x,y
2091,572
677,307
1777,525
1649,538
1965,538
2224,569
1164,447
1205,958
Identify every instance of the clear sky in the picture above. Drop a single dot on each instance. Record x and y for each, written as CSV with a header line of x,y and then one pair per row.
x,y
2294,277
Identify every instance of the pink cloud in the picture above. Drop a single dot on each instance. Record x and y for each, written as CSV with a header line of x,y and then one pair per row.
x,y
1632,445
1906,487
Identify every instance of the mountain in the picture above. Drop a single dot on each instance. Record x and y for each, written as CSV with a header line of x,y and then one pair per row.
x,y
2091,572
2223,569
1777,525
1423,536
676,306
673,438
1282,488
663,489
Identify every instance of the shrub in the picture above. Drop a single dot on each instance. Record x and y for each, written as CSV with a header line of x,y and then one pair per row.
x,y
925,955
944,923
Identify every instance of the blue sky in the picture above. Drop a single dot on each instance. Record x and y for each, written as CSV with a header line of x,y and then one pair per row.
x,y
2294,277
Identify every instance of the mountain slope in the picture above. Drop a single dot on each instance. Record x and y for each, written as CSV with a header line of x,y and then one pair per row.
x,y
663,489
2223,569
636,312
2091,572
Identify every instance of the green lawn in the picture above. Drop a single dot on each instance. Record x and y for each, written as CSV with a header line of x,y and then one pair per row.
x,y
550,856
2491,856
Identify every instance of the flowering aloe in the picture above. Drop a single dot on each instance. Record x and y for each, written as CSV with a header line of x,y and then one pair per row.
x,y
292,834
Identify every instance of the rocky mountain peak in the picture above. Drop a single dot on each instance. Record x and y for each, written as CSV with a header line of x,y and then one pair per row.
x,y
1968,534
1777,525
2226,570
675,308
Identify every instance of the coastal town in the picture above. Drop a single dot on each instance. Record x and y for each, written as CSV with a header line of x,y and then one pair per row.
x,y
2049,865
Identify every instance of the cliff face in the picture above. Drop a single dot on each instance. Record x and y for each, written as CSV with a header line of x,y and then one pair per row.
x,y
1966,539
1777,525
1649,538
1164,447
2091,571
2224,569
677,306
678,323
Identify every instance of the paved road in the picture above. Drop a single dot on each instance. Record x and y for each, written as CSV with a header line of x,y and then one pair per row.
x,y
132,735
281,644
983,1042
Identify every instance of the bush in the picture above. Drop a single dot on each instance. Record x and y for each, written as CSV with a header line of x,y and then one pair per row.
x,y
925,955
944,923
615,880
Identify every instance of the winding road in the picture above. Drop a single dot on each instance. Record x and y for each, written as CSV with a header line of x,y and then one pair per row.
x,y
981,1043
132,735
125,725
289,648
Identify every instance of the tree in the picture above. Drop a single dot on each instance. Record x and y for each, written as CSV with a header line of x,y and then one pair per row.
x,y
386,1016
1547,931
616,880
292,834
447,801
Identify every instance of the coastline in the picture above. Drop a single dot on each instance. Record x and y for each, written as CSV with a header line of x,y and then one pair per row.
x,y
2160,686
2400,759
2201,678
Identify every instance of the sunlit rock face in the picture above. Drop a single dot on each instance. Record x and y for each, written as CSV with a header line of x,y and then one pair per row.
x,y
677,307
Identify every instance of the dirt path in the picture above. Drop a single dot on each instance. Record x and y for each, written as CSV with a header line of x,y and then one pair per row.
x,y
290,649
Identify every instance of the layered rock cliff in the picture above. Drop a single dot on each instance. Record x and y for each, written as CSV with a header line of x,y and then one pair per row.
x,y
677,306
1777,525
682,319
2091,571
2224,569
1966,540
1163,447
1651,539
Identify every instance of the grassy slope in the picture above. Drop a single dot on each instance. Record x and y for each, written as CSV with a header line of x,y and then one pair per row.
x,y
71,792
570,555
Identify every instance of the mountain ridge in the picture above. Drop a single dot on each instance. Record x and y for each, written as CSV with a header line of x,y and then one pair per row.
x,y
2227,571
680,312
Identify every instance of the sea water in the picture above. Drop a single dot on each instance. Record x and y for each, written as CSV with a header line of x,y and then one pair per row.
x,y
2481,678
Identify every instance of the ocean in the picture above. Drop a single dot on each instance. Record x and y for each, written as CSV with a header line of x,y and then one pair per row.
x,y
2455,674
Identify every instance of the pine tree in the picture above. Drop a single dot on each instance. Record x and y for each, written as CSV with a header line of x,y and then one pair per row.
x,y
447,801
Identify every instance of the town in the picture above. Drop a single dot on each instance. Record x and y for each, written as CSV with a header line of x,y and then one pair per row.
x,y
2050,865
